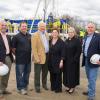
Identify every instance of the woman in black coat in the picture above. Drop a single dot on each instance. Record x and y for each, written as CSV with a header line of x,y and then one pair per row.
x,y
56,56
71,70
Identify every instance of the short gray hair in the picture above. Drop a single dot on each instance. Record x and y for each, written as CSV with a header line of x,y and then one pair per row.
x,y
2,21
90,23
41,22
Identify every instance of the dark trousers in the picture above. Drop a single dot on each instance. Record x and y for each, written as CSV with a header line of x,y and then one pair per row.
x,y
4,79
22,75
56,81
37,72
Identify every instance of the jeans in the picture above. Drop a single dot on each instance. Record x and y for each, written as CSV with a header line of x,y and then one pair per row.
x,y
22,75
91,74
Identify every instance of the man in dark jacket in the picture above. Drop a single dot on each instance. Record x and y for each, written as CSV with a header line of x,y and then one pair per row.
x,y
21,44
5,56
91,46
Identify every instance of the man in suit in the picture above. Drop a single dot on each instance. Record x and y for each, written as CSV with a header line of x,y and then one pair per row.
x,y
5,56
91,46
40,48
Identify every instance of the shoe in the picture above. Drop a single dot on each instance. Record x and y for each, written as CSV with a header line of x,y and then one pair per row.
x,y
58,91
71,90
2,97
67,89
45,88
91,98
85,93
38,91
23,92
6,92
19,91
52,89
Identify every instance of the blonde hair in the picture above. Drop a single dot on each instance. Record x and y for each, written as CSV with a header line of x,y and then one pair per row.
x,y
72,29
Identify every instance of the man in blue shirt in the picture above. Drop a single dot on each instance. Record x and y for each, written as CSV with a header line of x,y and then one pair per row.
x,y
91,46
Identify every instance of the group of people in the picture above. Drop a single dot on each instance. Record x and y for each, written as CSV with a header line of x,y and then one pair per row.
x,y
20,47
49,53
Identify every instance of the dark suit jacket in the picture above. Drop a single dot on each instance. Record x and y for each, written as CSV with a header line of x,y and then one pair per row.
x,y
94,48
56,53
3,49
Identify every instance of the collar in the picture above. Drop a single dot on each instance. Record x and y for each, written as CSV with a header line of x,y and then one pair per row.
x,y
41,32
3,33
90,35
23,34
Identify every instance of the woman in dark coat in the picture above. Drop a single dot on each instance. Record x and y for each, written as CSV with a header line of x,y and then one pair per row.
x,y
56,56
71,70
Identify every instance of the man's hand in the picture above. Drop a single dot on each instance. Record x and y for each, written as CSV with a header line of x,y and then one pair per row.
x,y
38,62
1,63
32,58
98,62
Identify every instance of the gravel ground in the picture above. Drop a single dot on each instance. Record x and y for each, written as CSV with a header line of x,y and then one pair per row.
x,y
49,95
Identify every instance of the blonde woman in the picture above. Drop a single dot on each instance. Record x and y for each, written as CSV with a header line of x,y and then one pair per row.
x,y
71,68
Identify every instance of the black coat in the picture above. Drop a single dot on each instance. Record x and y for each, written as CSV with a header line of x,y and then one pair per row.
x,y
71,70
3,49
56,53
94,48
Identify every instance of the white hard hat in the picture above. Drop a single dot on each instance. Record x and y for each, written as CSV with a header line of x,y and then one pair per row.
x,y
95,58
4,70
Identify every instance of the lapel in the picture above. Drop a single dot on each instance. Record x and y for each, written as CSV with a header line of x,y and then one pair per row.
x,y
84,41
92,39
47,36
1,40
9,41
40,38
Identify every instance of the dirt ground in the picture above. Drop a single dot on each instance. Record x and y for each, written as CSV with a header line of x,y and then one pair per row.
x,y
49,95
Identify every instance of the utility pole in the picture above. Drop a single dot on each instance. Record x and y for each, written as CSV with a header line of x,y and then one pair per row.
x,y
35,16
53,7
45,9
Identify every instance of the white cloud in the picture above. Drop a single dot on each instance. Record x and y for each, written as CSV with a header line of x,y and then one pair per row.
x,y
26,8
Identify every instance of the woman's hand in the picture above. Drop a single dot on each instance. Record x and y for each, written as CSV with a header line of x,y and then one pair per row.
x,y
61,64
